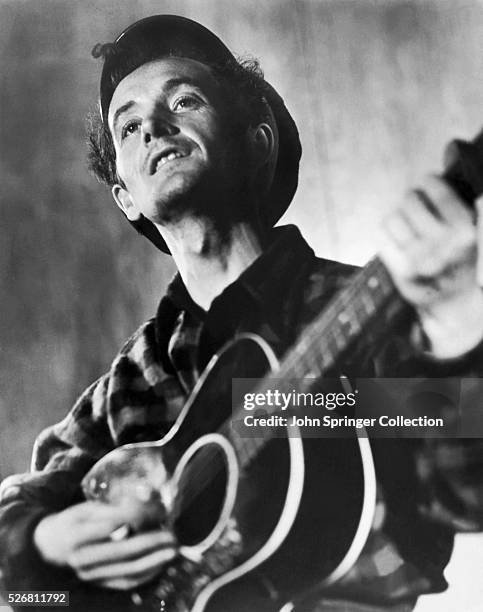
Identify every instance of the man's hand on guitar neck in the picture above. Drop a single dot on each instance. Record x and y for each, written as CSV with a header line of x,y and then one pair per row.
x,y
429,245
80,538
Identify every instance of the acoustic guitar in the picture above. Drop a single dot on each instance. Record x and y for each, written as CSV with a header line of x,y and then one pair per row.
x,y
263,520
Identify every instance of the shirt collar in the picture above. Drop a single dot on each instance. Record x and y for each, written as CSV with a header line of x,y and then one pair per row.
x,y
264,281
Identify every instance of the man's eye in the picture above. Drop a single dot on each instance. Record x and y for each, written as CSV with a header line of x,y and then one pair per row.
x,y
130,128
186,103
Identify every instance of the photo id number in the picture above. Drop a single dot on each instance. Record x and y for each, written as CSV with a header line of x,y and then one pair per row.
x,y
37,598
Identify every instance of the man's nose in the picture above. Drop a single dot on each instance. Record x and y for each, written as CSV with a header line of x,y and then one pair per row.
x,y
157,126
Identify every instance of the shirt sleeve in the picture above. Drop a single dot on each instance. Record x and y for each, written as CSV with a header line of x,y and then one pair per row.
x,y
449,469
62,455
125,405
81,438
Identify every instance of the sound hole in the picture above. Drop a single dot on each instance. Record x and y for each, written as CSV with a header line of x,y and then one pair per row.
x,y
201,493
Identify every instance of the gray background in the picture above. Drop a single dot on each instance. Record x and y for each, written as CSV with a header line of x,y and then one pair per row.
x,y
376,87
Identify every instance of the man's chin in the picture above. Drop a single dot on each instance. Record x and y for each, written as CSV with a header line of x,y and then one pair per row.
x,y
180,196
173,204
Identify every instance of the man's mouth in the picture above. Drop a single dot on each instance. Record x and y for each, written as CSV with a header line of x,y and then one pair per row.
x,y
165,157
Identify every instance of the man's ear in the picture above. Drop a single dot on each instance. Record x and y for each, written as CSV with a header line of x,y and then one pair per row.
x,y
123,199
262,142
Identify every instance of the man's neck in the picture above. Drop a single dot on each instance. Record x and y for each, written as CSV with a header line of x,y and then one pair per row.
x,y
207,261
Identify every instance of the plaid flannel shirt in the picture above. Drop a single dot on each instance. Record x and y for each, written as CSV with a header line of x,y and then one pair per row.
x,y
427,490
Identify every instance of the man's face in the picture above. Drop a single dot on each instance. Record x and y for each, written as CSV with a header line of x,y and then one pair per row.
x,y
174,148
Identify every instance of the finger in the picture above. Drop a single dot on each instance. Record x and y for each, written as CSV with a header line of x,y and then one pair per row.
x,y
131,548
89,511
399,228
130,513
445,200
129,569
125,584
94,521
421,214
392,254
90,533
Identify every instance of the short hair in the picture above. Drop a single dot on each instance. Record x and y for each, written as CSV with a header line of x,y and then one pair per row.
x,y
243,83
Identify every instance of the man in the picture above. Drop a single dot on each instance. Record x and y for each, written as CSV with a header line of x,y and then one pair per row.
x,y
202,157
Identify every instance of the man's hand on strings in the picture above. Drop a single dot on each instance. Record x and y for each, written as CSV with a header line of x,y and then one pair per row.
x,y
80,538
429,245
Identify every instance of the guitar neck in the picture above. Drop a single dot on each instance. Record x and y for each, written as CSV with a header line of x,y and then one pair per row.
x,y
370,304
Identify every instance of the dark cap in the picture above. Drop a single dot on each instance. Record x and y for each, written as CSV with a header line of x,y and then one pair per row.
x,y
171,35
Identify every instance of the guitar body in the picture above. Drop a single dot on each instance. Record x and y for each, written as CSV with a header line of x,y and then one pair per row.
x,y
293,517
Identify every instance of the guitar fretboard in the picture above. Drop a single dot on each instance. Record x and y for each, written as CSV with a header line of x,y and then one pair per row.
x,y
369,301
351,312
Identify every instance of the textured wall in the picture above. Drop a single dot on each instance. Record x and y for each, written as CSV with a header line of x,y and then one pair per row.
x,y
377,88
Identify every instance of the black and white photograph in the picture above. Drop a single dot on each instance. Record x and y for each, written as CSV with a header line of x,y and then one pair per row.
x,y
241,320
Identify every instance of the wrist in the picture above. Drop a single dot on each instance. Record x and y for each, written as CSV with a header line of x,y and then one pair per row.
x,y
454,327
